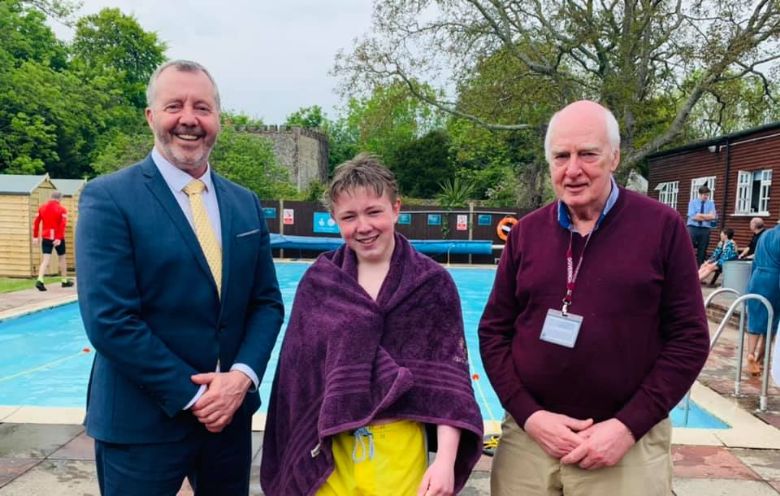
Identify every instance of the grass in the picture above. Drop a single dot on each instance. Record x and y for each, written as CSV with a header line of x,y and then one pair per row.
x,y
10,284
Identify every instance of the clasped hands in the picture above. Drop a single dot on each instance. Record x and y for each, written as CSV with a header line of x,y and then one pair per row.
x,y
224,393
583,442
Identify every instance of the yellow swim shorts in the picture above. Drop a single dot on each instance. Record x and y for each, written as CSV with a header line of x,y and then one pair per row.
x,y
378,460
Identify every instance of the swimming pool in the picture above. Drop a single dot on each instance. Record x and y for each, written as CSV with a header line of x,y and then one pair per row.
x,y
43,362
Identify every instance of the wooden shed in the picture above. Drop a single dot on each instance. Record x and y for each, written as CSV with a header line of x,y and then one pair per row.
x,y
20,197
70,189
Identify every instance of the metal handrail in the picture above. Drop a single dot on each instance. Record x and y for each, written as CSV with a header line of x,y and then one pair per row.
x,y
770,316
741,301
718,291
707,301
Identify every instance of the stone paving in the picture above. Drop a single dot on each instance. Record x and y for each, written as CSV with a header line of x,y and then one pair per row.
x,y
53,460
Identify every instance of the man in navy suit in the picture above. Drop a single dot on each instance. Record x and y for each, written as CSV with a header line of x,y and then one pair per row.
x,y
181,346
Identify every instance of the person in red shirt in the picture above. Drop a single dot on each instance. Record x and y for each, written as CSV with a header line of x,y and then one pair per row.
x,y
51,235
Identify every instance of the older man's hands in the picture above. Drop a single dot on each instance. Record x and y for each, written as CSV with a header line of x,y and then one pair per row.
x,y
556,434
605,445
224,394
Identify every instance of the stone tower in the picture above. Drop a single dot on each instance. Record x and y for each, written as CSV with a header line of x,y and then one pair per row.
x,y
304,152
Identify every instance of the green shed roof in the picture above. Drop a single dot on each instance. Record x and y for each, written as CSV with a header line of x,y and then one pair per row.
x,y
18,184
69,187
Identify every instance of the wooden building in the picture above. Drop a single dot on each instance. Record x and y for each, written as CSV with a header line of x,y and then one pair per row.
x,y
740,170
20,197
70,189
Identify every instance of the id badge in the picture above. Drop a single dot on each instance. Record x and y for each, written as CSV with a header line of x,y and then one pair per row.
x,y
561,329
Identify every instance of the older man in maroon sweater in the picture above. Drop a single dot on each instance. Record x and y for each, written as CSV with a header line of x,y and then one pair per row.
x,y
595,327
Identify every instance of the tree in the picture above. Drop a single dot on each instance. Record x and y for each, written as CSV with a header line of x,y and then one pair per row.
x,y
421,165
32,101
308,118
508,167
121,148
634,56
113,44
56,114
388,119
61,10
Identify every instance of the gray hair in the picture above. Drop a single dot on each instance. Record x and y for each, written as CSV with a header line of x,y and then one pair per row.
x,y
183,66
56,195
610,123
757,222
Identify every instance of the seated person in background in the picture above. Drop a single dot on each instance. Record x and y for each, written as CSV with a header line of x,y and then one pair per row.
x,y
725,251
757,228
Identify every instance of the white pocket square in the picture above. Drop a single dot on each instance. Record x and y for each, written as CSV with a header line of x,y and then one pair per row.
x,y
248,233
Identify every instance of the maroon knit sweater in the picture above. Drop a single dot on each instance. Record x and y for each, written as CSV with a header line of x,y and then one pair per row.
x,y
644,337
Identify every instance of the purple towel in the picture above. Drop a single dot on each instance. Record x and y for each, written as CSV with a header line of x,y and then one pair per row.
x,y
347,361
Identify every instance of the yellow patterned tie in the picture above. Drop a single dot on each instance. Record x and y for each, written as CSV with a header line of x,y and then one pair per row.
x,y
204,231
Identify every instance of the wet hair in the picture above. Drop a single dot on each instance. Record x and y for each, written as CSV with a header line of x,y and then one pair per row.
x,y
729,232
704,190
182,66
363,171
610,126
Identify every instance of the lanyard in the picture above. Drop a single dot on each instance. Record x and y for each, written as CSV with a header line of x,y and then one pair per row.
x,y
571,272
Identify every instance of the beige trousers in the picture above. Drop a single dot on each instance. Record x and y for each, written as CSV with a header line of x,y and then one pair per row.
x,y
522,468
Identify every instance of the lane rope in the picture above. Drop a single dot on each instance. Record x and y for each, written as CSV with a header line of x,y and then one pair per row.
x,y
45,365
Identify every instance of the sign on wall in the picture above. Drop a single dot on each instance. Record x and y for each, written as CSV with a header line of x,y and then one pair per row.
x,y
405,219
434,219
269,212
462,223
288,216
484,219
324,223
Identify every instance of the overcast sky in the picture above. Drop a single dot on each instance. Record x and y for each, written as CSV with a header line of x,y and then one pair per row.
x,y
269,57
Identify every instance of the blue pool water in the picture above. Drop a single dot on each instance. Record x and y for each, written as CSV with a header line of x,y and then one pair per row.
x,y
42,361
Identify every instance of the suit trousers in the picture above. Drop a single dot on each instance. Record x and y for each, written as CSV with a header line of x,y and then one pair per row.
x,y
215,464
521,467
700,237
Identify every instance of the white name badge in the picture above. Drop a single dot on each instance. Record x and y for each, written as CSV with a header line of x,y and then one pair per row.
x,y
561,329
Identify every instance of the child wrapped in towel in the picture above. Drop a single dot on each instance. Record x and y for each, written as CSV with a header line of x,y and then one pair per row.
x,y
373,371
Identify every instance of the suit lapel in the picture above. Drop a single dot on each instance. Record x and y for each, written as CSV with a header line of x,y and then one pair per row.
x,y
162,192
225,217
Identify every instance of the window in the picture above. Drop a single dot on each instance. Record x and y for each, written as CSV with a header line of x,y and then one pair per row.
x,y
703,181
753,192
667,193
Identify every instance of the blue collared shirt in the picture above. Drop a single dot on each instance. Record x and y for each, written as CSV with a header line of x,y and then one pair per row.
x,y
694,208
564,218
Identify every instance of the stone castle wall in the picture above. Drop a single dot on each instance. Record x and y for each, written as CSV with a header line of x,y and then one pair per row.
x,y
304,152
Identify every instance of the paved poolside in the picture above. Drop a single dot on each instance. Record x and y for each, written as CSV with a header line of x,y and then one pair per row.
x,y
44,451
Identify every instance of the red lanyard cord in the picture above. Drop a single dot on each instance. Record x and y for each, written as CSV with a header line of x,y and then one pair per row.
x,y
571,272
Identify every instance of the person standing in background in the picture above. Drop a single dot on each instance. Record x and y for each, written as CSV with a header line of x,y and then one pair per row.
x,y
765,281
49,231
701,219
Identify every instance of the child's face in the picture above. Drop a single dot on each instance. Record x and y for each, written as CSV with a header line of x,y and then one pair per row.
x,y
367,223
723,236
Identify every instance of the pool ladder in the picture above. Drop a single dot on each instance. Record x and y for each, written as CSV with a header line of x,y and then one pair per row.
x,y
740,301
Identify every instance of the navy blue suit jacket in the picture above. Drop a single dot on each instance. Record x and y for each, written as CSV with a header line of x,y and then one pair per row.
x,y
150,305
